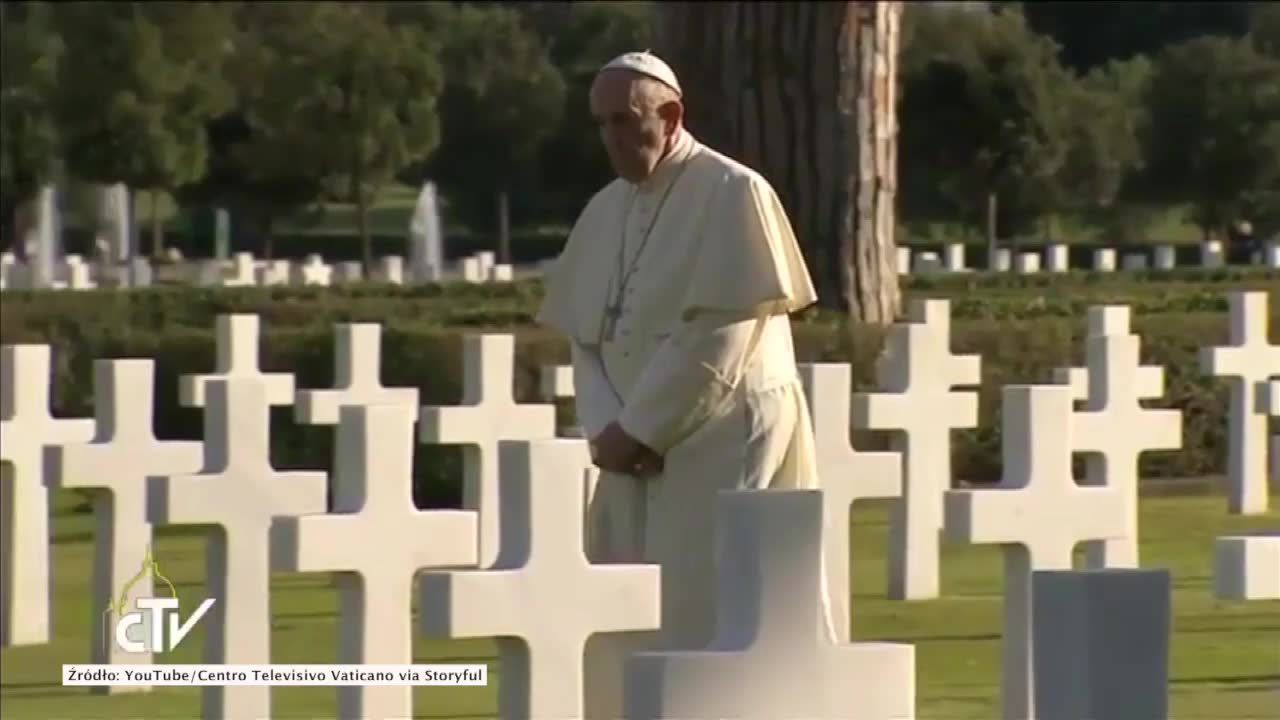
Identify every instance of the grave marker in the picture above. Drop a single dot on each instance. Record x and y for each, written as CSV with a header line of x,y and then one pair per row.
x,y
357,363
26,427
237,348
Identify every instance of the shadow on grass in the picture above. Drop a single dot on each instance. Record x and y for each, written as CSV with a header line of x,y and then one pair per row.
x,y
1261,680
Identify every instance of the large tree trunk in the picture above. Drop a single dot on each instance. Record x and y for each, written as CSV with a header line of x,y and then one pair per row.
x,y
805,93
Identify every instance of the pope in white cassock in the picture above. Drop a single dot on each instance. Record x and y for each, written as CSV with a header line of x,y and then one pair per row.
x,y
674,290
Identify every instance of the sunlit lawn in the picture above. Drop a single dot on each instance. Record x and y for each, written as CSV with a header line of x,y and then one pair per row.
x,y
1225,663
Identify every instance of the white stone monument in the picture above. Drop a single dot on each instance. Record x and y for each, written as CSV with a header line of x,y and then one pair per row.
x,y
915,400
1211,254
375,542
426,241
501,273
926,262
1166,257
26,427
357,369
315,272
114,467
1104,260
771,657
541,598
955,257
845,476
1247,567
1135,262
1057,258
472,270
1028,263
240,494
1003,260
1249,360
1037,514
237,356
1114,428
391,270
904,260
488,414
243,271
1101,644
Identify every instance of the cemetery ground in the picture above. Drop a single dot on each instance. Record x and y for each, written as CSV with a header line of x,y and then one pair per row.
x,y
1225,657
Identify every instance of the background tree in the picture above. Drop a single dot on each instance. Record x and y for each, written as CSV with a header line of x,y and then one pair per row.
x,y
30,155
502,98
804,93
136,87
1212,133
347,95
986,119
1264,29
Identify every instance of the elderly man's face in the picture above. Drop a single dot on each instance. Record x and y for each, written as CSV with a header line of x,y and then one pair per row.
x,y
635,136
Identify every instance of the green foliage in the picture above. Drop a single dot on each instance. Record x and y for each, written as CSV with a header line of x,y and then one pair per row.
x,y
29,142
1212,132
986,109
1264,29
136,86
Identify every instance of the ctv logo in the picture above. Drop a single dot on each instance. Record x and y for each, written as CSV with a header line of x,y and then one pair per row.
x,y
150,617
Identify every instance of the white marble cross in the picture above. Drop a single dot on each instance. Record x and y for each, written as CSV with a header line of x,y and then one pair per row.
x,y
846,476
488,414
542,599
771,656
115,467
243,271
557,382
375,540
1037,514
26,427
237,349
1114,428
357,364
1247,567
240,494
1248,361
916,374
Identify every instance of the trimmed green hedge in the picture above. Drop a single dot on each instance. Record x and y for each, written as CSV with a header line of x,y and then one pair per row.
x,y
1022,334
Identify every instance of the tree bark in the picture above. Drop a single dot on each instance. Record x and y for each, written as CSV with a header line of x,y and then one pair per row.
x,y
805,93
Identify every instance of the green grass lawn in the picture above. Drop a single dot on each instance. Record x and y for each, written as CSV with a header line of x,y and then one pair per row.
x,y
1225,656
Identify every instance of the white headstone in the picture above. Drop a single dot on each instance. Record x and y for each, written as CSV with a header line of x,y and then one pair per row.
x,y
140,273
771,657
472,270
315,272
348,271
1211,255
1247,567
391,270
1057,258
542,599
13,274
1249,360
1101,644
955,257
1037,513
240,493
1002,261
1166,257
273,272
209,273
357,369
916,375
26,427
1114,428
237,349
904,260
79,275
488,414
1028,263
845,476
243,271
374,510
487,259
501,273
1271,255
1104,260
557,382
114,467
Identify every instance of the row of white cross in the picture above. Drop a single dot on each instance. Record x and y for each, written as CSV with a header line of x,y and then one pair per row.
x,y
229,482
1056,259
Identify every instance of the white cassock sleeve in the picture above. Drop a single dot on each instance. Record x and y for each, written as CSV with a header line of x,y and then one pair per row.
x,y
596,402
690,376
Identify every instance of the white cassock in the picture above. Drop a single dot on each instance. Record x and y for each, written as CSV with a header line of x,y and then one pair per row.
x,y
696,363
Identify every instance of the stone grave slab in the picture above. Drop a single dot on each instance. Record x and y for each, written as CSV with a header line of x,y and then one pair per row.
x,y
114,467
26,426
1247,361
1038,514
916,375
375,541
488,414
846,476
357,365
772,657
521,598
1102,644
239,494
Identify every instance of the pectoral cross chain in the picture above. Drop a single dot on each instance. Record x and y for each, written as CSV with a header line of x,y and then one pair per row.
x,y
612,314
